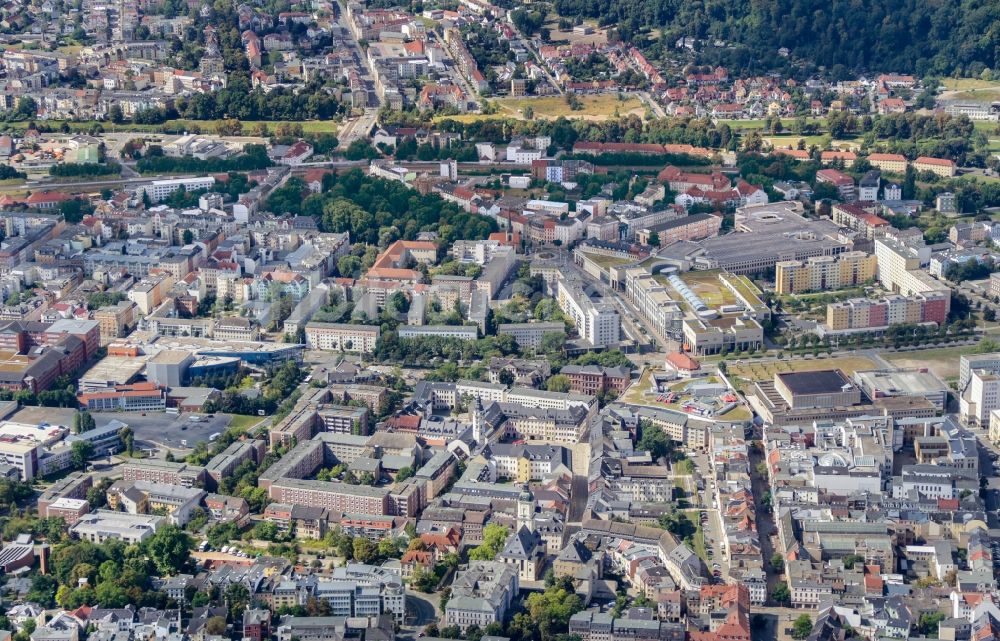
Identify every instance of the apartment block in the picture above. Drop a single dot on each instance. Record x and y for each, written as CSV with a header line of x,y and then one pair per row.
x,y
900,269
339,497
157,471
865,313
342,337
889,163
940,166
529,335
824,273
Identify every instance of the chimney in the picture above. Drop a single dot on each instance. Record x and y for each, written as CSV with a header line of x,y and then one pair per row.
x,y
43,551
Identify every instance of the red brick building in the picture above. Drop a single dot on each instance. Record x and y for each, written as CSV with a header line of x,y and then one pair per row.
x,y
594,379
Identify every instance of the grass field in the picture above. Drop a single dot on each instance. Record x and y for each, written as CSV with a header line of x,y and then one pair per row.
x,y
967,84
942,361
978,94
599,37
698,540
755,125
598,107
706,285
971,89
636,393
792,141
244,422
708,288
738,413
752,371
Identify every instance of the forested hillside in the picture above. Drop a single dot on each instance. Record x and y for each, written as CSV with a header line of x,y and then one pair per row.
x,y
912,36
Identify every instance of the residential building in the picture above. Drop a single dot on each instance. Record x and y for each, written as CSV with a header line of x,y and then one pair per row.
x,y
824,273
529,335
889,163
940,166
342,337
840,180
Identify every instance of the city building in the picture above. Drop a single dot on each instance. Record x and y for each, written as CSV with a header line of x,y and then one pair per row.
x,y
824,273
597,323
342,337
482,593
104,525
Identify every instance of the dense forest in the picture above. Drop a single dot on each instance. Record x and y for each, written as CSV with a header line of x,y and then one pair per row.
x,y
906,36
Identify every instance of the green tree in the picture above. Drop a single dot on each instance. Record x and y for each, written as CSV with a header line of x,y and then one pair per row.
x,y
237,598
187,237
781,593
127,437
83,422
552,342
389,548
169,549
929,623
80,453
494,539
558,383
552,609
802,627
777,562
654,239
363,550
654,440
216,626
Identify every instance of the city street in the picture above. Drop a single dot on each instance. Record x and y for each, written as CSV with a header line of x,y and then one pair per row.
x,y
765,519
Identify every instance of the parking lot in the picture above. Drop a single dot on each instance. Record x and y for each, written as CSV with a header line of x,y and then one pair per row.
x,y
173,431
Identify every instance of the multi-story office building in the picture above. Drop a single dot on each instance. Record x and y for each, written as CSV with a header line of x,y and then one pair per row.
x,y
482,593
599,324
104,525
969,362
161,189
981,397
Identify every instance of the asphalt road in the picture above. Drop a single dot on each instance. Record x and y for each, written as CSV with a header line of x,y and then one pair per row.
x,y
765,521
420,611
157,430
578,498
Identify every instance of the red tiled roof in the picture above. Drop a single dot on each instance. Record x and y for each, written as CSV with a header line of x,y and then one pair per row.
x,y
939,162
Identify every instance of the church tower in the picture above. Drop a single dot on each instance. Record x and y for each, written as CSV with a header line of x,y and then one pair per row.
x,y
526,510
477,421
